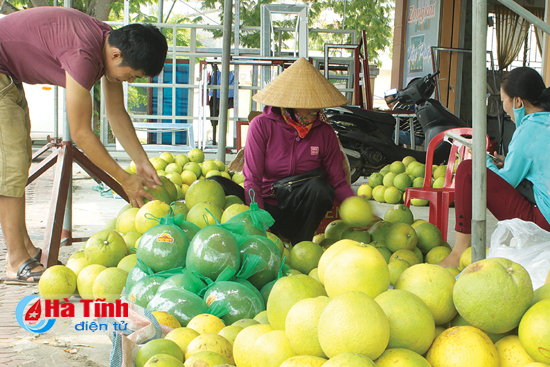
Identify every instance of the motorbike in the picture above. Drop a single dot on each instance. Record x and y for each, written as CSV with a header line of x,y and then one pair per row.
x,y
366,135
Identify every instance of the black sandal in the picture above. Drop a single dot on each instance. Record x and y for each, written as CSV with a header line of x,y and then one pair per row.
x,y
24,273
39,255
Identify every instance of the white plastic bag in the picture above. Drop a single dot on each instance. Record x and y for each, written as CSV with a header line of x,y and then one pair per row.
x,y
524,243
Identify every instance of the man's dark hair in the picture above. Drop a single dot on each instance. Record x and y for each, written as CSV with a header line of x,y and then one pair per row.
x,y
143,47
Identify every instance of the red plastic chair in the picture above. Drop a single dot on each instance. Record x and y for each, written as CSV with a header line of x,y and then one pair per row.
x,y
441,199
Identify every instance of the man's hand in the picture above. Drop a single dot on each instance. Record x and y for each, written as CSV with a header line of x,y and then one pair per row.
x,y
134,186
148,172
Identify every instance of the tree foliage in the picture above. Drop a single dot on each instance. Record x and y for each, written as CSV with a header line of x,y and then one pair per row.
x,y
372,16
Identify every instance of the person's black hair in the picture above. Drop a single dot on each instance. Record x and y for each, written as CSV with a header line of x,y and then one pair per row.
x,y
143,47
526,83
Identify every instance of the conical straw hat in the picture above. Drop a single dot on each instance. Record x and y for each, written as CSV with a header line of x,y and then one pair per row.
x,y
301,86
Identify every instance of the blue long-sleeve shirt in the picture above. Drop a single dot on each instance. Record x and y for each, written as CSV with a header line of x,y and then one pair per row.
x,y
527,157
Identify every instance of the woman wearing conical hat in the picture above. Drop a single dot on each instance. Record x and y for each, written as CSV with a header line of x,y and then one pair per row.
x,y
288,139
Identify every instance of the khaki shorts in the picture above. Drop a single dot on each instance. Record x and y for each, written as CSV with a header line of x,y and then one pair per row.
x,y
15,138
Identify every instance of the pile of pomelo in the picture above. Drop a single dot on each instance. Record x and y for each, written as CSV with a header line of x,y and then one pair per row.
x,y
183,170
389,185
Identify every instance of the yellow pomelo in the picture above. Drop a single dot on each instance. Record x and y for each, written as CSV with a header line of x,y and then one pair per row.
x,y
76,255
127,262
196,155
511,353
397,167
276,240
232,211
396,268
57,282
393,195
204,214
401,236
434,285
157,346
182,336
109,284
126,222
349,360
305,255
86,278
314,273
304,361
301,326
465,259
461,321
536,364
359,268
286,292
435,255
353,322
399,214
540,294
230,332
418,170
77,265
407,255
262,317
493,294
454,271
244,343
439,171
163,360
131,240
271,349
388,179
208,166
419,254
428,235
329,253
463,346
418,222
205,190
378,193
438,183
193,167
408,160
204,359
534,331
245,323
164,318
167,156
188,177
212,343
400,357
412,325
356,211
419,202
365,191
155,208
206,324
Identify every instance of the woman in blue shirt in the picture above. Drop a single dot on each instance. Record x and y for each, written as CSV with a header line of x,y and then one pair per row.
x,y
521,188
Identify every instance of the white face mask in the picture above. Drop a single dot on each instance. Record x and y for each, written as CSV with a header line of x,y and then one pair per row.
x,y
519,113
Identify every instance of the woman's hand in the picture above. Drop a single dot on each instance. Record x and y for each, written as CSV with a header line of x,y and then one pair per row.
x,y
499,162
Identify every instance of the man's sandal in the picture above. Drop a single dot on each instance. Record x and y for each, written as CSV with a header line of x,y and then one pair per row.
x,y
39,255
25,275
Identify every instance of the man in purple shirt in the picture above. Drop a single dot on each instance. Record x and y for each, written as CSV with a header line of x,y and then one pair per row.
x,y
64,47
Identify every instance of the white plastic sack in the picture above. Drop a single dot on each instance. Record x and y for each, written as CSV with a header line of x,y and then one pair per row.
x,y
524,243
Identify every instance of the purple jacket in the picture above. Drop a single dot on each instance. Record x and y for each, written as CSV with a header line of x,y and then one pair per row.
x,y
275,151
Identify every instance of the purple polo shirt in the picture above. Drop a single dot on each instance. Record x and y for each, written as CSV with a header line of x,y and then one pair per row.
x,y
38,45
275,151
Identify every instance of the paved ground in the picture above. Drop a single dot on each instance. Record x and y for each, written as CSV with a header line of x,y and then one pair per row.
x,y
62,345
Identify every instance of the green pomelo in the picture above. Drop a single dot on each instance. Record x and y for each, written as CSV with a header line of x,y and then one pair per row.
x,y
401,236
155,347
335,228
127,263
232,199
399,214
356,235
242,302
190,229
402,181
356,211
182,304
376,179
268,252
160,193
212,250
163,247
144,290
170,188
187,280
378,231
